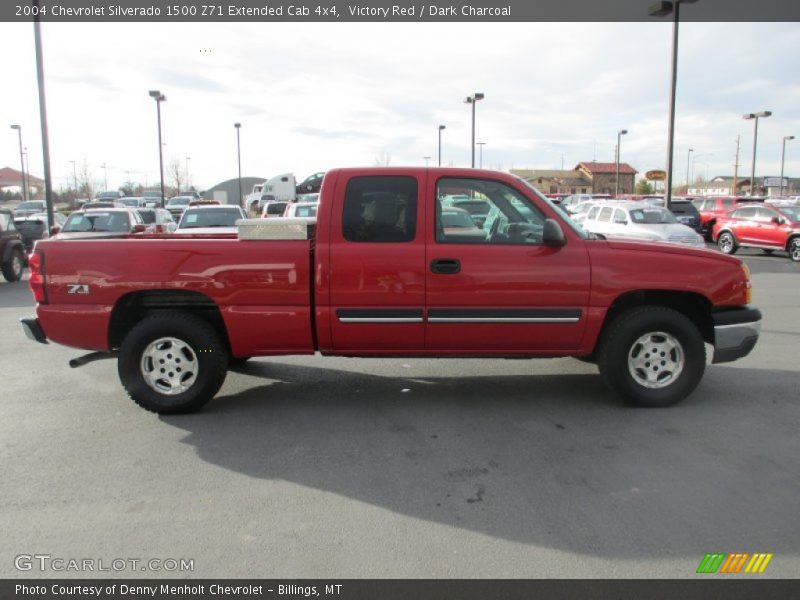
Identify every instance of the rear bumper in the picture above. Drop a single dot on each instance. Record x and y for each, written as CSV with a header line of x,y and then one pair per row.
x,y
735,333
33,330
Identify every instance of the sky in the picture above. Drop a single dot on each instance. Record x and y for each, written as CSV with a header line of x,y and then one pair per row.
x,y
315,96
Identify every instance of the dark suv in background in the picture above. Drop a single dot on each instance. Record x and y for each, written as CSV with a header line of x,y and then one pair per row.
x,y
12,254
686,214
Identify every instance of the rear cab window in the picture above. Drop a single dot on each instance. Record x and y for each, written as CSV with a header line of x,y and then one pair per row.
x,y
380,209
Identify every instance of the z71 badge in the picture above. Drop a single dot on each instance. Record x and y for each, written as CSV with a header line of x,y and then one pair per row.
x,y
77,288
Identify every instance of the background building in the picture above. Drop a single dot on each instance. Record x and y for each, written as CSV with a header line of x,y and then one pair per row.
x,y
556,181
11,181
604,177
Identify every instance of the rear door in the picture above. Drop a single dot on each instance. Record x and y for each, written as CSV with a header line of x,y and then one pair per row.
x,y
504,292
377,258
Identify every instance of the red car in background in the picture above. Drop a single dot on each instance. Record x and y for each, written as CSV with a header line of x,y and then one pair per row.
x,y
713,208
766,226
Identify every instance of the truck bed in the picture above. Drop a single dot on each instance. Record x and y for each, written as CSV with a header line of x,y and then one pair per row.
x,y
260,287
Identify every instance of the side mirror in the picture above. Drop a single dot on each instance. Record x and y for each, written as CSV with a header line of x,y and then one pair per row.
x,y
778,220
552,234
55,229
139,228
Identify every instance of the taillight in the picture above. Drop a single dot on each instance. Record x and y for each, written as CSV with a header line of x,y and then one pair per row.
x,y
36,282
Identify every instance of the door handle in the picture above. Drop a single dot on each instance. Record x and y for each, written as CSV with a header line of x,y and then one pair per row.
x,y
445,266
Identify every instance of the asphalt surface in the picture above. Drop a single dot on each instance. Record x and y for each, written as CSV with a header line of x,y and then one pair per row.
x,y
320,467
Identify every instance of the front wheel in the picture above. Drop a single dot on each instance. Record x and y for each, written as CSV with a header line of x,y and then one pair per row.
x,y
727,244
653,356
172,362
12,268
794,249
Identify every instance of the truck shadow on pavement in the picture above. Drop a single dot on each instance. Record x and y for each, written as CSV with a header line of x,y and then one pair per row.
x,y
556,461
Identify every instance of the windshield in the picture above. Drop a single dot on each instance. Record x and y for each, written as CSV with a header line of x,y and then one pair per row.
x,y
276,208
148,216
98,221
683,208
793,212
179,201
651,216
560,211
130,201
194,218
30,206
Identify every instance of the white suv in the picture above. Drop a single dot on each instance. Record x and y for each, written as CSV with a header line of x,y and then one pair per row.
x,y
639,221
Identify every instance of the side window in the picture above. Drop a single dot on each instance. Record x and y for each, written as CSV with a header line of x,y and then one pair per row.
x,y
592,213
482,211
620,216
745,213
605,214
765,214
380,209
4,221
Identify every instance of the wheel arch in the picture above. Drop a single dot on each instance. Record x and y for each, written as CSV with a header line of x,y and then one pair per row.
x,y
11,245
693,305
135,306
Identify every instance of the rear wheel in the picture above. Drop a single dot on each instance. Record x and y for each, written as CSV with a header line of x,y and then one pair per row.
x,y
727,243
12,268
653,356
794,249
172,362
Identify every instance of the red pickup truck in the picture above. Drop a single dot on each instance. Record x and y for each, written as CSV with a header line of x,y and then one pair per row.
x,y
377,274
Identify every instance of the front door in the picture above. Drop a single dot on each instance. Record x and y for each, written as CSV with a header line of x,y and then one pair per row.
x,y
493,287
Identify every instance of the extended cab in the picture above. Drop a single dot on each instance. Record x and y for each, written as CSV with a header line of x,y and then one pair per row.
x,y
378,273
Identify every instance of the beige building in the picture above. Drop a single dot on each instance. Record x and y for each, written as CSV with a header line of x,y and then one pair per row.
x,y
604,177
556,181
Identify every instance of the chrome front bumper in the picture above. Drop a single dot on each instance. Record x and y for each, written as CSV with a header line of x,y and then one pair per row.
x,y
735,333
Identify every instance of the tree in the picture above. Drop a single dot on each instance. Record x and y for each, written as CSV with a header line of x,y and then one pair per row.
x,y
175,173
383,159
86,185
643,187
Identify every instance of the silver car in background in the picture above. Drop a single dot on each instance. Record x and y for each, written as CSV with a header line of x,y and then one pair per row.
x,y
639,221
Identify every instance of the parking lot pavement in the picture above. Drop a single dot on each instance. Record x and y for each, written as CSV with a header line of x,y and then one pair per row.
x,y
312,467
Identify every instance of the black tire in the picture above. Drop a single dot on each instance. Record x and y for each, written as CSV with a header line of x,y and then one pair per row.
x,y
727,243
794,249
12,268
621,348
197,343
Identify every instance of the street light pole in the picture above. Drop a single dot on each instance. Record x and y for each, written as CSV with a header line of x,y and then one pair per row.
x,y
105,176
688,159
159,98
480,153
783,159
620,133
238,126
188,180
21,161
427,158
441,127
662,9
755,117
473,100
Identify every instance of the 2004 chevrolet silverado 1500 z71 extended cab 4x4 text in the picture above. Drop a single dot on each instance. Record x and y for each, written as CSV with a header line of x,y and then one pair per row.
x,y
379,274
